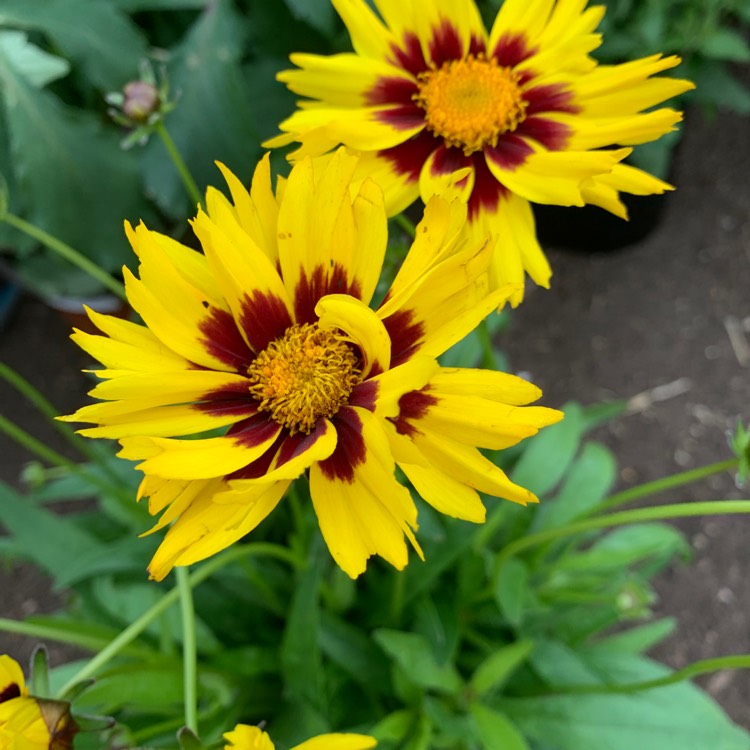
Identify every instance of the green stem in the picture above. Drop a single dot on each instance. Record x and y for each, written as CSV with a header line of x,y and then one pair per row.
x,y
638,515
189,649
67,252
136,628
51,633
37,447
406,224
187,179
692,670
37,399
667,483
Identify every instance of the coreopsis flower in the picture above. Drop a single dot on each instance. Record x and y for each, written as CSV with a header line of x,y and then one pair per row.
x,y
29,723
244,737
517,115
270,333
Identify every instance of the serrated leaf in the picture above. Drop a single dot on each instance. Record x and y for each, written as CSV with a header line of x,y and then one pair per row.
x,y
103,41
214,116
496,731
493,672
413,654
37,66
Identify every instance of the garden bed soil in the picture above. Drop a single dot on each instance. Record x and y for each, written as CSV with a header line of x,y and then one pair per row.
x,y
673,310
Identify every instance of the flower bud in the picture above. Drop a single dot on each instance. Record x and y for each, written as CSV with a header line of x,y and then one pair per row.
x,y
141,100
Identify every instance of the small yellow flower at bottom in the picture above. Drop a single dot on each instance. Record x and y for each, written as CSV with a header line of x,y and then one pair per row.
x,y
244,737
29,723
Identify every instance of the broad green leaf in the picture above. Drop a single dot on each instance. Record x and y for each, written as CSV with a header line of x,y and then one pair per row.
x,y
590,478
394,727
350,648
318,13
75,181
452,726
676,717
301,666
215,114
726,44
37,66
716,87
559,664
157,687
48,540
638,640
95,35
493,672
549,454
127,554
511,589
496,731
413,654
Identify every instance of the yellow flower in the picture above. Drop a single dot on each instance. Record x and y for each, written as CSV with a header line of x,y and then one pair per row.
x,y
244,737
517,115
269,332
28,723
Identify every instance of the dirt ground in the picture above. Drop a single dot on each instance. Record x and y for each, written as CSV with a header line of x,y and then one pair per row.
x,y
675,308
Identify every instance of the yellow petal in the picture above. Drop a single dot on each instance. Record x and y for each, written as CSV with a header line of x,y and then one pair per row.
x,y
338,742
361,325
206,527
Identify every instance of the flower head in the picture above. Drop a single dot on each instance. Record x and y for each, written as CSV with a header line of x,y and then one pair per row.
x,y
515,115
270,333
29,723
244,737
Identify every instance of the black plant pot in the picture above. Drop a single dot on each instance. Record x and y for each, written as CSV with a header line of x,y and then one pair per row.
x,y
591,229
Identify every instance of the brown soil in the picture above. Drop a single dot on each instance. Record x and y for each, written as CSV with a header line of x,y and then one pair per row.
x,y
614,325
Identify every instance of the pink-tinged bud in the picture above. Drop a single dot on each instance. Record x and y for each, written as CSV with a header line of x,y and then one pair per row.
x,y
141,100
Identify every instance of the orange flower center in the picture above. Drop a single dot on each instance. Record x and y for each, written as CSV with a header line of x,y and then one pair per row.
x,y
470,103
303,375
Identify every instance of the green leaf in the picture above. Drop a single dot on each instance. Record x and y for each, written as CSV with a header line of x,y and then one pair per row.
x,y
413,654
44,538
677,717
494,671
37,66
123,555
496,731
59,151
40,673
511,588
136,6
559,664
640,639
716,87
591,477
351,649
157,687
107,46
214,117
394,727
549,454
301,665
317,13
188,741
725,44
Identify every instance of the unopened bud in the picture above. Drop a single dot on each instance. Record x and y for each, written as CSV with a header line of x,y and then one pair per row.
x,y
141,100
